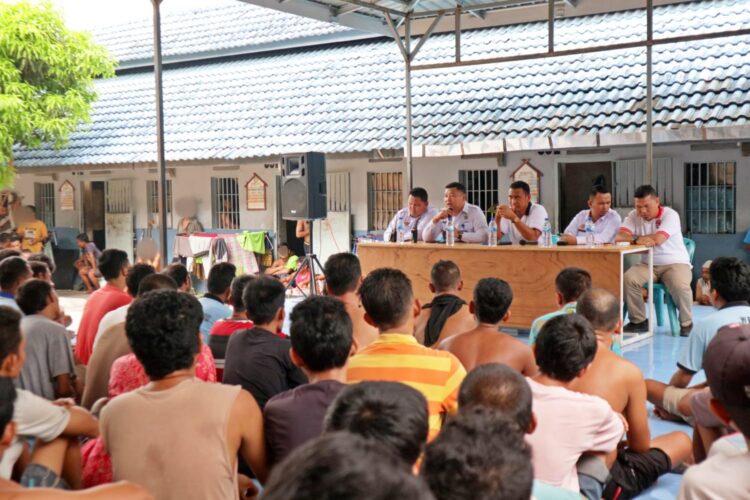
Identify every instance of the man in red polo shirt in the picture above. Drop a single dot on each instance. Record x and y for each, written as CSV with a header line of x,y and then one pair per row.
x,y
114,266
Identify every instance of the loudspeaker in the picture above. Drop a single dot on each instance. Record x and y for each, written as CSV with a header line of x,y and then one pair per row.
x,y
303,187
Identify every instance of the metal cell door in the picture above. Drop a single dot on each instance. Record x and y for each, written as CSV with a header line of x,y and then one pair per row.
x,y
118,220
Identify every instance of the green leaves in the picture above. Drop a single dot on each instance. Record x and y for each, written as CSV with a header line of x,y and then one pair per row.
x,y
47,75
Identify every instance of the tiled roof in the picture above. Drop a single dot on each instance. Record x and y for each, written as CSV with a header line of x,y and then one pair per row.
x,y
350,97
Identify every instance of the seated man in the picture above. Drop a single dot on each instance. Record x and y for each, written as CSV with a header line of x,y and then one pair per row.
x,y
113,344
414,217
703,286
570,284
179,273
223,329
447,314
321,337
214,301
485,344
730,282
569,423
479,454
88,263
396,355
286,263
390,413
605,220
179,436
258,359
657,227
469,220
521,219
14,271
343,275
55,461
49,371
621,384
724,473
344,465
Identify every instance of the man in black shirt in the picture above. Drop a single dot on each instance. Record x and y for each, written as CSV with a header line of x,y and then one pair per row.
x,y
258,359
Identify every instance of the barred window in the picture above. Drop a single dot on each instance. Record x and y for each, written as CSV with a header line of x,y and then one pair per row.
x,y
152,200
385,197
481,188
44,201
710,197
629,174
225,202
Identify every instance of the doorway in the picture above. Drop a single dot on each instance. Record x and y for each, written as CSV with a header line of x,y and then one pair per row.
x,y
576,180
93,203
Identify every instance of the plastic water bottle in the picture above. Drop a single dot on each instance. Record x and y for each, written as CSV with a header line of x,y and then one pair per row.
x,y
400,230
589,228
546,240
450,232
492,235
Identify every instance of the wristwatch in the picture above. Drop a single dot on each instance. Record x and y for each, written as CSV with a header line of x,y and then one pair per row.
x,y
634,241
515,220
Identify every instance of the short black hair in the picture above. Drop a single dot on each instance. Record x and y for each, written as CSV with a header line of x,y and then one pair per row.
x,y
343,273
7,398
391,413
730,277
478,454
263,297
220,277
6,253
33,296
83,237
321,333
4,237
521,185
420,193
501,388
156,282
600,307
445,275
492,299
387,297
12,269
178,272
136,275
572,282
457,186
645,191
10,332
38,268
599,189
238,289
15,237
566,345
162,329
42,257
111,263
342,465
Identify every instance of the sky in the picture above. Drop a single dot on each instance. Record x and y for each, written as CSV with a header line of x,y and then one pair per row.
x,y
86,14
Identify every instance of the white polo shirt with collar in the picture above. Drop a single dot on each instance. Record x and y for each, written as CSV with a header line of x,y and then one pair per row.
x,y
534,218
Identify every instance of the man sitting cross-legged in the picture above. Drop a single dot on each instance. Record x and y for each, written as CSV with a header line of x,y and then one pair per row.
x,y
396,355
621,384
447,314
485,344
321,337
179,436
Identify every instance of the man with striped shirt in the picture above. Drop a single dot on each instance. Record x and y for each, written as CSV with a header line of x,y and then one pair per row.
x,y
396,355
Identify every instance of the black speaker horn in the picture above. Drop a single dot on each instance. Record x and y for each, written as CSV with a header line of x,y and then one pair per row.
x,y
303,187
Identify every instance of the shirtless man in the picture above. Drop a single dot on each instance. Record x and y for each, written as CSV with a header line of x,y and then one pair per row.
x,y
621,384
485,344
447,314
343,277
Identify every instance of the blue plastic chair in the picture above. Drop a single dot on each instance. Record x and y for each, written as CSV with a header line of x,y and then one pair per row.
x,y
660,293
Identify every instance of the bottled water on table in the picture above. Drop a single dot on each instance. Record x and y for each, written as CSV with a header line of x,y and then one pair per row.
x,y
589,229
546,239
492,235
400,231
450,232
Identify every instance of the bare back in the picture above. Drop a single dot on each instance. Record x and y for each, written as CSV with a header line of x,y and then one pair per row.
x,y
364,333
481,346
459,322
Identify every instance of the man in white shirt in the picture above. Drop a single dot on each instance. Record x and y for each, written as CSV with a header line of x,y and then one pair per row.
x,y
606,221
469,220
520,219
658,227
727,365
415,216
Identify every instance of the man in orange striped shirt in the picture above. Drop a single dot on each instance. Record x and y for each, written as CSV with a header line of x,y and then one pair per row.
x,y
396,355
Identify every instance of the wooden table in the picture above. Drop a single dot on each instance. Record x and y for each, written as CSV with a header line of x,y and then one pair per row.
x,y
530,270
